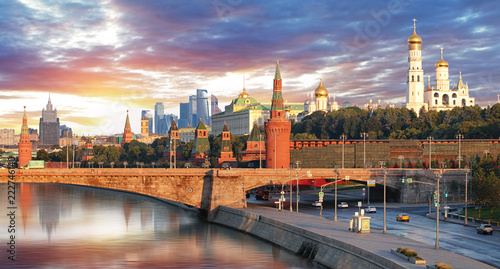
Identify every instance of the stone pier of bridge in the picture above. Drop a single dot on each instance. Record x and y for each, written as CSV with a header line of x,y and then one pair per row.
x,y
205,189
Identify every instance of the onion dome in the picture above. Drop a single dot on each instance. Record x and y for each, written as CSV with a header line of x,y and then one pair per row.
x,y
244,94
321,91
441,62
414,39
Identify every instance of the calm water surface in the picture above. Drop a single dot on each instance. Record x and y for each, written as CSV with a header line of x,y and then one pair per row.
x,y
61,226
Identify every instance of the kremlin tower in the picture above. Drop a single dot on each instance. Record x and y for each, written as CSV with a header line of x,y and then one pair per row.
x,y
127,132
24,146
278,129
415,74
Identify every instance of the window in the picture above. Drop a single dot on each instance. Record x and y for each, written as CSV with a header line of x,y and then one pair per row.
x,y
436,102
418,78
412,78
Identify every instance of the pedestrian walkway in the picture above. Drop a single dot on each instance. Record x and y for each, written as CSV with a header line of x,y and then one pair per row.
x,y
375,241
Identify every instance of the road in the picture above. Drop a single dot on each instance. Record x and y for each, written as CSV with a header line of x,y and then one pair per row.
x,y
457,238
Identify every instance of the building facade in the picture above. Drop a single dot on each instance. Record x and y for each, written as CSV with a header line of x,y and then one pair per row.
x,y
7,137
49,126
441,96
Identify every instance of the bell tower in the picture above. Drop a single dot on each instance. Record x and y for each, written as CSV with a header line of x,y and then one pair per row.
x,y
415,73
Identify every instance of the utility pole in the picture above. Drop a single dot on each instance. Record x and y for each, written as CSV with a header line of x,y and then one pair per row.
x,y
343,143
336,171
459,137
430,138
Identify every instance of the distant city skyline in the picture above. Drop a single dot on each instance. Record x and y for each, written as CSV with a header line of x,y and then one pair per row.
x,y
98,60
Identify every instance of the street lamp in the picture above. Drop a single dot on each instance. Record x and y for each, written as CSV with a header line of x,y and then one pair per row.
x,y
466,200
364,135
336,171
459,137
343,143
438,174
430,138
382,165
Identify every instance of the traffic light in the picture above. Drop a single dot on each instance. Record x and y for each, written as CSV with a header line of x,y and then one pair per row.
x,y
403,180
445,194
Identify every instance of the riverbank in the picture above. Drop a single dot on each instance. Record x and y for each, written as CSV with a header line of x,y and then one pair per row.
x,y
330,243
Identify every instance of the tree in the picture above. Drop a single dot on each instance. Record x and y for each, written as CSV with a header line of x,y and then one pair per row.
x,y
42,155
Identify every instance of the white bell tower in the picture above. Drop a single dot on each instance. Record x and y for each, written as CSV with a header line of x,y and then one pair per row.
x,y
415,74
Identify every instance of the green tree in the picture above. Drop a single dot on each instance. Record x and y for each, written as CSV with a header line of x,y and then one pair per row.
x,y
42,155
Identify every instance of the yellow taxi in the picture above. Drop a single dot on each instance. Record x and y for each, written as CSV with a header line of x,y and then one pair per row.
x,y
403,217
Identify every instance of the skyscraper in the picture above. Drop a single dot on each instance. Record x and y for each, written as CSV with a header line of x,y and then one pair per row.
x,y
203,106
214,106
184,115
193,120
49,126
159,113
149,116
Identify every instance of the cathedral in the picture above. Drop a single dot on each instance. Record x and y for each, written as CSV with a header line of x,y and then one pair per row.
x,y
320,101
438,97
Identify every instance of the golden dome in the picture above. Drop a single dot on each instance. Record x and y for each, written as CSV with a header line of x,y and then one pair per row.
x,y
244,94
441,62
321,91
414,39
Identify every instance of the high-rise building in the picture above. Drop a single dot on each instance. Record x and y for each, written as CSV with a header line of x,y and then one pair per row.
x,y
49,126
278,129
184,115
193,120
149,116
203,106
214,105
24,146
159,113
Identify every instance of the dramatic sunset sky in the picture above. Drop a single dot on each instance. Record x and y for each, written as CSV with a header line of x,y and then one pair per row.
x,y
99,58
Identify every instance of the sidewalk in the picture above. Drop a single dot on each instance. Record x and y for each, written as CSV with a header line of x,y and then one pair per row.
x,y
375,241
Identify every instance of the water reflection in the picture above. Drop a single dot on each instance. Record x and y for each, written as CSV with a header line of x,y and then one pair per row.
x,y
77,227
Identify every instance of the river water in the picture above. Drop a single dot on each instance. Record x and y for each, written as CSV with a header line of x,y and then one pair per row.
x,y
63,226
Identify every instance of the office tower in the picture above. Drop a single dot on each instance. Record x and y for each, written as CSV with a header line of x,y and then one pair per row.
x,y
184,115
49,126
149,116
214,105
193,121
159,113
203,106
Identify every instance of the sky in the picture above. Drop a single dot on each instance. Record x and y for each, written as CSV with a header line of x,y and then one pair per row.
x,y
99,58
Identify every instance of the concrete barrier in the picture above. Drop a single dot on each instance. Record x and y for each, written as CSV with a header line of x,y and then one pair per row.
x,y
323,250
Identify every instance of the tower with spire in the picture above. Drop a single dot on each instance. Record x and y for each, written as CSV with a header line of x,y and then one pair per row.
x,y
278,128
226,151
128,136
49,126
201,145
173,149
415,74
24,146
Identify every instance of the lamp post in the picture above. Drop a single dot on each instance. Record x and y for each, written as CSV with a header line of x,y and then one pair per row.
x,y
382,165
430,138
438,178
336,171
466,200
364,135
260,150
291,188
459,137
343,143
297,178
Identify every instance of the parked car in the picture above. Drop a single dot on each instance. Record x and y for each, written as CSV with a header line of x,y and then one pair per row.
x,y
485,229
371,209
316,204
262,195
343,205
403,217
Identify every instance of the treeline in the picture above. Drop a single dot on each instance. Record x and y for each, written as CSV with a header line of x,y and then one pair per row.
x,y
401,123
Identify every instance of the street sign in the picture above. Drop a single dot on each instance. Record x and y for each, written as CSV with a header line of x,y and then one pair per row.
x,y
409,180
320,199
370,183
321,194
364,191
359,204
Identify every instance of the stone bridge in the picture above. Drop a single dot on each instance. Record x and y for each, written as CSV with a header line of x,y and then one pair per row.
x,y
207,189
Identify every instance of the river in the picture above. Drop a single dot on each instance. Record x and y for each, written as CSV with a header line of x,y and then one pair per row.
x,y
64,226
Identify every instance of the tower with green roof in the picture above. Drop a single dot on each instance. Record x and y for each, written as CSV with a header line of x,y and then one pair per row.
x,y
24,146
201,146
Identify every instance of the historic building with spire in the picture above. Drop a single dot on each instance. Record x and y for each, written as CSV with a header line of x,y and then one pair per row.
x,y
278,128
173,150
201,145
255,151
24,146
441,96
49,126
320,102
127,132
226,151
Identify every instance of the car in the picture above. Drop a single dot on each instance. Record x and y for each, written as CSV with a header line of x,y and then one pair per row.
x,y
316,204
371,209
262,195
343,205
403,217
485,229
